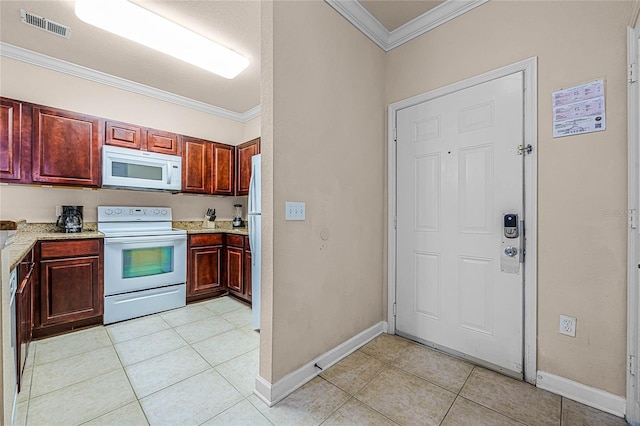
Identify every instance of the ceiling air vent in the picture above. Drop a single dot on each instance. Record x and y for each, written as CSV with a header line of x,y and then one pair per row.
x,y
45,24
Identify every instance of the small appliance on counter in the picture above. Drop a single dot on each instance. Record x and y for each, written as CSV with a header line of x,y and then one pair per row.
x,y
70,220
237,217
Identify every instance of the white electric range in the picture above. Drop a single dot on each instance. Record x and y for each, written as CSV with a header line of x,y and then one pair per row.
x,y
144,261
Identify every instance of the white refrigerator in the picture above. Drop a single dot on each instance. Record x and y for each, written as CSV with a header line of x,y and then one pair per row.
x,y
254,219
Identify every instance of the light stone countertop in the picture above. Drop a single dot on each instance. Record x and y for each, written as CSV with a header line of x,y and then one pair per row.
x,y
221,227
29,234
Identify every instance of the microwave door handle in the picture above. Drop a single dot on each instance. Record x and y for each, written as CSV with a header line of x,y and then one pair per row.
x,y
169,173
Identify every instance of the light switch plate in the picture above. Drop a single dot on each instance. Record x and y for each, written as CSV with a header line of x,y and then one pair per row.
x,y
294,210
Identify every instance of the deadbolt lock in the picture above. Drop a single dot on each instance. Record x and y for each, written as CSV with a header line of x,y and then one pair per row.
x,y
511,251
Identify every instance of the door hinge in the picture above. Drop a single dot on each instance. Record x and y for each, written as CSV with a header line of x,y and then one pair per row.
x,y
632,365
524,149
395,134
632,73
395,222
633,218
395,309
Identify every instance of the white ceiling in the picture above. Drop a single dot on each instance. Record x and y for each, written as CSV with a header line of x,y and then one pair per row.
x,y
395,13
233,23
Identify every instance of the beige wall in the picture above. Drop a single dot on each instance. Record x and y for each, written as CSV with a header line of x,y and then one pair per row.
x,y
38,204
582,189
30,83
251,129
327,150
266,161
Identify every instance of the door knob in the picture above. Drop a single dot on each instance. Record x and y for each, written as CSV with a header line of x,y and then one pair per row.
x,y
511,251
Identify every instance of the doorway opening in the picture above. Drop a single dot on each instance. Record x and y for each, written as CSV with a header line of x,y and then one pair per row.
x,y
423,257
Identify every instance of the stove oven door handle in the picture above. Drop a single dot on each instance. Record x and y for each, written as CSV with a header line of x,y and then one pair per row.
x,y
145,239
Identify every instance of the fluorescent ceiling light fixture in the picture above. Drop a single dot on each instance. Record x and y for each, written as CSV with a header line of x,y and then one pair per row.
x,y
135,23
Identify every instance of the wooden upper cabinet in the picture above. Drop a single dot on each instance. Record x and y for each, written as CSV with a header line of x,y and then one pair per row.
x,y
66,148
244,153
136,137
223,169
162,142
123,135
10,126
196,166
207,167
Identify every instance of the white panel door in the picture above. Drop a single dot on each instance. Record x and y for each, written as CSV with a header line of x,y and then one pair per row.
x,y
458,173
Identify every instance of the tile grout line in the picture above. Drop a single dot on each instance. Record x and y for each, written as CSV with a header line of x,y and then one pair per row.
x,y
124,371
482,404
339,407
138,399
26,417
71,384
94,327
385,365
449,409
186,378
473,368
214,368
121,323
122,368
493,410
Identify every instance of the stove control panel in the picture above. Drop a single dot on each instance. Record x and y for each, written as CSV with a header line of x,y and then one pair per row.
x,y
133,214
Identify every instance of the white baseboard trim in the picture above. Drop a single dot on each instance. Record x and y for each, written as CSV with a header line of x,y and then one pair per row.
x,y
584,394
271,394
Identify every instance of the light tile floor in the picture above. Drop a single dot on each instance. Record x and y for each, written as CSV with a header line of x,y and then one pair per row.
x,y
196,366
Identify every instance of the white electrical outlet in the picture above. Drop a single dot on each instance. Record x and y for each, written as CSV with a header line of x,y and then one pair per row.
x,y
294,211
568,325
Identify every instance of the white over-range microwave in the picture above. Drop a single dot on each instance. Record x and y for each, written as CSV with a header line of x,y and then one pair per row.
x,y
133,169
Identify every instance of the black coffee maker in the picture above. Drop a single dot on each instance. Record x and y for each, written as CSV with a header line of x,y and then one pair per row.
x,y
71,219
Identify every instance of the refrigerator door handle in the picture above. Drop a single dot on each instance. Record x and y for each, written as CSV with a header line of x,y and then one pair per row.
x,y
251,236
252,188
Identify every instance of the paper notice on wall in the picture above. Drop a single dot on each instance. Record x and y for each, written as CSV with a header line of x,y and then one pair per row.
x,y
579,109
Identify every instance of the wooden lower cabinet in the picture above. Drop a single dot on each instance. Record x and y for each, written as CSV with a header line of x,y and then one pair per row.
x,y
24,312
234,269
218,264
239,267
204,266
71,290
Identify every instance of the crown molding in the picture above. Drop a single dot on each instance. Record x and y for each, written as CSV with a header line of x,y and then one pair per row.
x,y
362,19
18,53
437,16
254,112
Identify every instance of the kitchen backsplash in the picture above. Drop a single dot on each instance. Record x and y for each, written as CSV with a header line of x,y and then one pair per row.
x,y
38,204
